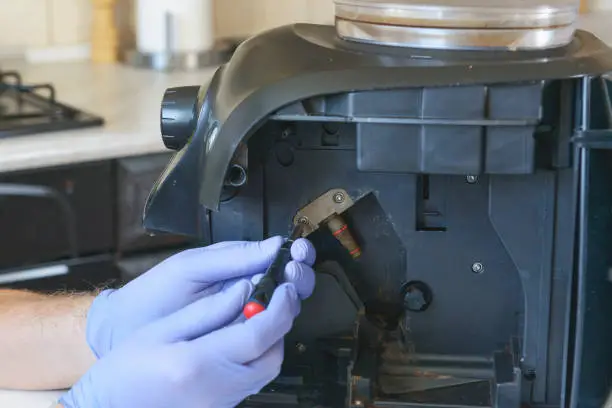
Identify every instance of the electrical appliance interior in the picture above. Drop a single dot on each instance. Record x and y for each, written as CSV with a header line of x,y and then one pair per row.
x,y
463,148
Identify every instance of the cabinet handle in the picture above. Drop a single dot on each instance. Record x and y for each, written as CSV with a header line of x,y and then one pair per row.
x,y
34,273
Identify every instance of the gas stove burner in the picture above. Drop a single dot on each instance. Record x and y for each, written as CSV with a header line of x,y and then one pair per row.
x,y
455,24
28,109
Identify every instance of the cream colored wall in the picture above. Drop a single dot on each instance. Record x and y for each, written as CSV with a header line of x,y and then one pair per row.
x,y
599,4
244,17
39,23
48,23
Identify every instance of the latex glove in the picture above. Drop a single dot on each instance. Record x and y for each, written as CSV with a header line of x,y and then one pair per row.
x,y
185,278
183,361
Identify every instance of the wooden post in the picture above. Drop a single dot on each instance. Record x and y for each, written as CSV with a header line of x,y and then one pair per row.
x,y
104,35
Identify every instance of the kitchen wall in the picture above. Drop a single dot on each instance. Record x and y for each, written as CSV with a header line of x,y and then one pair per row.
x,y
61,23
600,4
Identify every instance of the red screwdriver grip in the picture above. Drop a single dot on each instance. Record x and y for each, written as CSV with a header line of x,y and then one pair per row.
x,y
252,308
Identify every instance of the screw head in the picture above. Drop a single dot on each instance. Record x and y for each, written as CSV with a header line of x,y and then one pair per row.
x,y
472,179
300,348
302,220
286,132
477,267
338,198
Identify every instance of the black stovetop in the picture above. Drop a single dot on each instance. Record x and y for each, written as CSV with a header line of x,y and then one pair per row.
x,y
27,109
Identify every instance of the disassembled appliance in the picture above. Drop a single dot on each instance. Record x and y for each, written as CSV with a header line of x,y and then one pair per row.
x,y
464,145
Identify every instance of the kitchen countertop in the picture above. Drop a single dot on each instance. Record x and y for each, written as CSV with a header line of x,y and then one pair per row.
x,y
31,399
129,101
127,98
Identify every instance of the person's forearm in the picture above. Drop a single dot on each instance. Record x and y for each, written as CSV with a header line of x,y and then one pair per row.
x,y
42,342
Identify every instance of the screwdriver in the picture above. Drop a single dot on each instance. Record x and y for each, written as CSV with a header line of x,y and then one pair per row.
x,y
259,300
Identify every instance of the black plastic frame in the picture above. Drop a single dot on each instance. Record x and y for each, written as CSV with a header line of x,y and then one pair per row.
x,y
310,87
590,366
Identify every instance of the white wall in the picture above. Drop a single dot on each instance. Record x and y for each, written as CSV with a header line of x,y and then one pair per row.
x,y
48,23
600,4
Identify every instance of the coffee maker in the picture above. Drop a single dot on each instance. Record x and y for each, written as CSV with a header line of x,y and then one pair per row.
x,y
468,157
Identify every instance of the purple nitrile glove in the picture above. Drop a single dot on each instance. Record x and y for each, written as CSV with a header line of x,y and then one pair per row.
x,y
185,278
192,359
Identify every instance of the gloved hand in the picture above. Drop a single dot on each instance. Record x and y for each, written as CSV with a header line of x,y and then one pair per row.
x,y
185,360
185,278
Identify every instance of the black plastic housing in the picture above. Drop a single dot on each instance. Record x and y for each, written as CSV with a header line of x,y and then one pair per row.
x,y
477,174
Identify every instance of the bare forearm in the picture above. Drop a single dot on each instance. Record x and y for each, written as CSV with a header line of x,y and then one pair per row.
x,y
43,344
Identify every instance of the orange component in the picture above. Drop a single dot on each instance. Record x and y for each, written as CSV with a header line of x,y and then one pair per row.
x,y
340,230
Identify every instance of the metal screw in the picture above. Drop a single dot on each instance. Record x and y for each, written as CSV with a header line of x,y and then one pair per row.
x,y
477,267
286,132
302,220
300,348
338,198
472,179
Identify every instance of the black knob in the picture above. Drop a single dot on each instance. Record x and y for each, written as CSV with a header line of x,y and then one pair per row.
x,y
178,115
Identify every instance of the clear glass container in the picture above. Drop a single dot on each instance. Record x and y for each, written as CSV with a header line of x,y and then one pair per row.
x,y
459,24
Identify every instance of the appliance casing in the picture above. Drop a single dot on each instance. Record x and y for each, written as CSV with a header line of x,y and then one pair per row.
x,y
481,174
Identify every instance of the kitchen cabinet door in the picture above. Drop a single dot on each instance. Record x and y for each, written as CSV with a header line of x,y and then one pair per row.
x,y
58,213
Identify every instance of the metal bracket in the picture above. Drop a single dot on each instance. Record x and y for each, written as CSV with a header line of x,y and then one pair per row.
x,y
335,201
327,209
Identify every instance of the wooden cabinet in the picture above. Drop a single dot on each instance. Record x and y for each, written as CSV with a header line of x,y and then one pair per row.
x,y
584,6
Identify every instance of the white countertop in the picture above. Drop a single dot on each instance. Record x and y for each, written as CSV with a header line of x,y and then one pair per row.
x,y
127,98
20,399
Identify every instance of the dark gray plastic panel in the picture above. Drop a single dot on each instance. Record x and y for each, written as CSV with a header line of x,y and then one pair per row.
x,y
510,150
461,102
419,149
515,101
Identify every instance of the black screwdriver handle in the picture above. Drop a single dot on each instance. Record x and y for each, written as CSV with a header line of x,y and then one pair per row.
x,y
262,294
